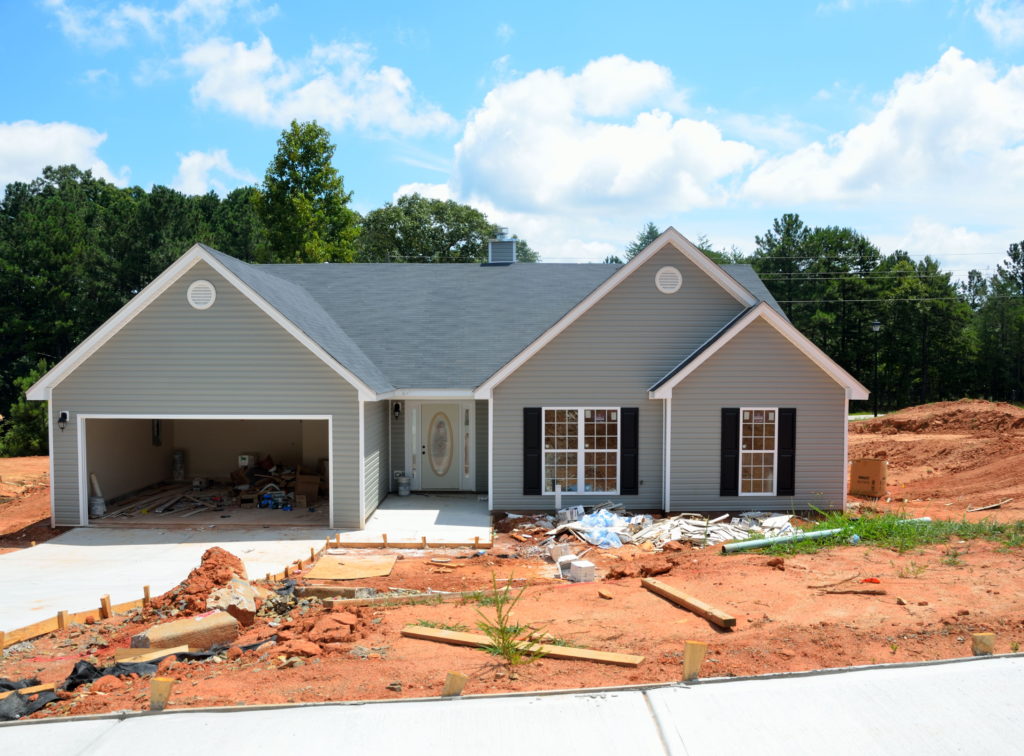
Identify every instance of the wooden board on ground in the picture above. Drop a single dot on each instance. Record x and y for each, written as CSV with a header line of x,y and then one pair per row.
x,y
29,691
352,567
135,655
550,652
692,603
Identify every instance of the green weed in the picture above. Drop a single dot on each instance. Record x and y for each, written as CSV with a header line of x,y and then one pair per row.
x,y
504,634
912,570
442,626
952,558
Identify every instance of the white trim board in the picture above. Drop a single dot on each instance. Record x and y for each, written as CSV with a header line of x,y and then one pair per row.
x,y
43,388
670,238
83,460
854,389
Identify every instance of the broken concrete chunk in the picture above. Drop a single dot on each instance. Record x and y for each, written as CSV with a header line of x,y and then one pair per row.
x,y
238,598
203,631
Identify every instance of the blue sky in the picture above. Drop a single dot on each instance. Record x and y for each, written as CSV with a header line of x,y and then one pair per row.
x,y
572,123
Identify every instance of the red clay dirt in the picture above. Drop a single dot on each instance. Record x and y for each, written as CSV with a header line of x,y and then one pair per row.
x,y
215,570
948,457
25,502
935,597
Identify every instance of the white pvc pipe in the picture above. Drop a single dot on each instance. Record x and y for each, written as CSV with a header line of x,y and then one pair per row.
x,y
814,535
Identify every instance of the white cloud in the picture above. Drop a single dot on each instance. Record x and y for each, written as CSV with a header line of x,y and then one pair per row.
x,y
196,168
601,138
431,191
505,32
26,147
1003,21
335,84
958,248
949,137
108,25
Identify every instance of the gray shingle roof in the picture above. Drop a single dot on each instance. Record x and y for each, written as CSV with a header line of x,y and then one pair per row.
x,y
430,326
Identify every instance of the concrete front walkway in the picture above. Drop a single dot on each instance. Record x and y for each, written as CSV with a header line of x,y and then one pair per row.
x,y
442,518
965,706
75,569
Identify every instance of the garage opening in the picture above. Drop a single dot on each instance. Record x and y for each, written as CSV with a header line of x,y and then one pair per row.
x,y
186,472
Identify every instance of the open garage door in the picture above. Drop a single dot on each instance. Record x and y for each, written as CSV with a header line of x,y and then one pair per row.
x,y
188,471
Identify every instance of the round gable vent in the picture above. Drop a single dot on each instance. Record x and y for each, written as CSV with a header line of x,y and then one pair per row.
x,y
668,280
201,295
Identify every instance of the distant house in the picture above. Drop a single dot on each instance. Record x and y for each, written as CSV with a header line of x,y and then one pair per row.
x,y
670,382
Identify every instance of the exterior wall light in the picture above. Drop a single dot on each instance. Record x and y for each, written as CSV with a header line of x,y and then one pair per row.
x,y
396,410
62,420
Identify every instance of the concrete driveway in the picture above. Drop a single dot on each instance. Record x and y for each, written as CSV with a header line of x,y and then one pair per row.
x,y
75,569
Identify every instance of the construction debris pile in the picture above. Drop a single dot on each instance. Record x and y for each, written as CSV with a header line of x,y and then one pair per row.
x,y
262,485
607,528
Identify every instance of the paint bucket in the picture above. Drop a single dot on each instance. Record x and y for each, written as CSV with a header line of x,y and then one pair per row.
x,y
97,506
178,465
403,485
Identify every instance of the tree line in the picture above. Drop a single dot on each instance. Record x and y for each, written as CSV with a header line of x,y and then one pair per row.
x,y
74,248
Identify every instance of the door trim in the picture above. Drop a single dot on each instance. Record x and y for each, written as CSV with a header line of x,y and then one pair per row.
x,y
413,425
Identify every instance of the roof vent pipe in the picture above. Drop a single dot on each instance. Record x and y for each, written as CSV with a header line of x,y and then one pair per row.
x,y
501,250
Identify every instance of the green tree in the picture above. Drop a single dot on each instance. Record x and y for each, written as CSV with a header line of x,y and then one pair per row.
x,y
303,203
649,233
419,229
24,430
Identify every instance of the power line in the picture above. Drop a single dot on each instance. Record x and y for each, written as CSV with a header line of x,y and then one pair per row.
x,y
909,299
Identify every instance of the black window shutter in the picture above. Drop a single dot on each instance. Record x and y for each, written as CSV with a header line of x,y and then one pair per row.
x,y
532,457
729,483
786,484
629,465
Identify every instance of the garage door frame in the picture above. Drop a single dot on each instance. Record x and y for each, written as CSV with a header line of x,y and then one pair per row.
x,y
83,466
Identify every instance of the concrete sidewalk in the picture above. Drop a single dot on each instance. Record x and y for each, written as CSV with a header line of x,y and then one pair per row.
x,y
966,706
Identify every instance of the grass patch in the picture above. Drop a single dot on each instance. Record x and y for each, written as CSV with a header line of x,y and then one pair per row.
x,y
442,626
891,531
912,570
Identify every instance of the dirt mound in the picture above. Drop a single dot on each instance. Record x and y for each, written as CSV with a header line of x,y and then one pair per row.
x,y
215,570
976,416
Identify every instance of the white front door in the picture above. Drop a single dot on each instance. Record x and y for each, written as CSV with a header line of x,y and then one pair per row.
x,y
441,453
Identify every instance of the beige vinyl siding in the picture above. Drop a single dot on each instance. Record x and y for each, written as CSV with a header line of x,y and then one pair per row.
x,y
758,368
375,454
610,357
231,359
481,446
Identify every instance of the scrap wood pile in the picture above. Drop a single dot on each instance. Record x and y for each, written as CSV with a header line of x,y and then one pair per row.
x,y
608,526
265,485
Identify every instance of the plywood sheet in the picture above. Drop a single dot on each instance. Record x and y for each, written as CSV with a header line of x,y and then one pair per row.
x,y
352,567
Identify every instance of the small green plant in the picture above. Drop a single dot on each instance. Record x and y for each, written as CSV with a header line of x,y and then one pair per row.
x,y
552,640
442,626
893,648
1014,647
912,570
504,634
952,558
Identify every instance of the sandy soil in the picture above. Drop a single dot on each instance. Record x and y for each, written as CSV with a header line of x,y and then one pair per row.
x,y
943,459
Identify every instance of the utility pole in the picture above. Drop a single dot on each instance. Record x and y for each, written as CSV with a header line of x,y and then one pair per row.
x,y
876,327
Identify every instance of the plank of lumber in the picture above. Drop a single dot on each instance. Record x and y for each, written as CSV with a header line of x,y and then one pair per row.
x,y
551,652
410,545
135,655
695,605
29,691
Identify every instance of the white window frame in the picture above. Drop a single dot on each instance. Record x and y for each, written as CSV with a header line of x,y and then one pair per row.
x,y
774,453
580,452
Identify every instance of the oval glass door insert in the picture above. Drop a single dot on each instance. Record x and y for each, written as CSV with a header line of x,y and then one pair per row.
x,y
440,446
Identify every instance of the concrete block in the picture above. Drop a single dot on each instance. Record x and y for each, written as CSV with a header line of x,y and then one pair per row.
x,y
237,598
560,550
203,632
581,571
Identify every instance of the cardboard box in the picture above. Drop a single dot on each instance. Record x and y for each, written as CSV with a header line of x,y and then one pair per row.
x,y
868,477
308,486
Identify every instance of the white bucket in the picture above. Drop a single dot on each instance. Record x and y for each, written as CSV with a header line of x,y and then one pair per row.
x,y
97,506
403,485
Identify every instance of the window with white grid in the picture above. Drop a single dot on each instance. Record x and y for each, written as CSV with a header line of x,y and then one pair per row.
x,y
581,449
758,429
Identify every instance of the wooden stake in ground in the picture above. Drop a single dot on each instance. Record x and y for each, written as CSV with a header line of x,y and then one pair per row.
x,y
454,683
105,612
160,692
62,620
695,605
983,644
693,656
145,595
